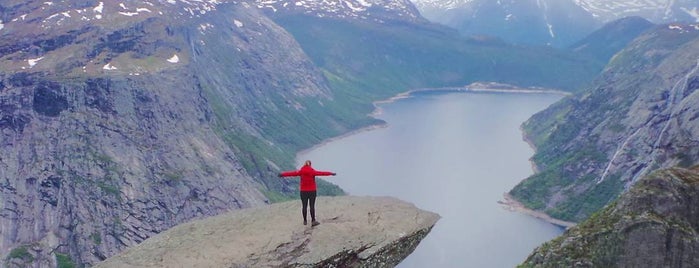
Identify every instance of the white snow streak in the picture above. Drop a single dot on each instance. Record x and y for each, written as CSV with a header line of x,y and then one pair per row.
x,y
99,8
364,3
174,59
1,25
551,30
238,23
109,67
33,62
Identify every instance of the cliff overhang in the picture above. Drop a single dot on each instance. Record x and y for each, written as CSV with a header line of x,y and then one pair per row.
x,y
354,232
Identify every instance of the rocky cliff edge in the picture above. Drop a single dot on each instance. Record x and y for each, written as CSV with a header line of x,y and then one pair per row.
x,y
354,232
654,224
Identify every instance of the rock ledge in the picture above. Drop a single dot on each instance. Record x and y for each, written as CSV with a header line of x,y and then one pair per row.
x,y
354,232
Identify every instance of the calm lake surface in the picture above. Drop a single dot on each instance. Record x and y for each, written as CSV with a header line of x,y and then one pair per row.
x,y
455,154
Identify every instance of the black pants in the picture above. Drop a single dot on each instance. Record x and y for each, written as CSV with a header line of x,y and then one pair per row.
x,y
305,198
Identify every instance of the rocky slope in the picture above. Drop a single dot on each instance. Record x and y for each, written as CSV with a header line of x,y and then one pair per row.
x,y
354,232
549,22
120,120
639,115
603,43
655,224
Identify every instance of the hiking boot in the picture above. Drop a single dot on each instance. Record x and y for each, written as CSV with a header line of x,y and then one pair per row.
x,y
305,222
315,223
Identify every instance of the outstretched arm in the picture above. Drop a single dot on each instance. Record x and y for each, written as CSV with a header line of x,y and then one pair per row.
x,y
324,173
291,173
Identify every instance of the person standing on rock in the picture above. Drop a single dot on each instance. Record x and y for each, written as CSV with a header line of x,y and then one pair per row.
x,y
307,187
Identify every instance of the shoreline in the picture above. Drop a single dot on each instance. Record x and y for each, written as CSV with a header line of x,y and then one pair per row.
x,y
526,139
511,204
341,136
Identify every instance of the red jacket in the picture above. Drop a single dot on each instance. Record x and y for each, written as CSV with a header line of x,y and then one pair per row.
x,y
308,177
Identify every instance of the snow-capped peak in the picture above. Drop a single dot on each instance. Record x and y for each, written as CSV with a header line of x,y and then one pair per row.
x,y
377,10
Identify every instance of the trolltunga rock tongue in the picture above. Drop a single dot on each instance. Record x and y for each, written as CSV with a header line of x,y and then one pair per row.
x,y
354,232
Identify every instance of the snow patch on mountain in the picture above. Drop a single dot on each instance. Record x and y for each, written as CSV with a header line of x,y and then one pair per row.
x,y
109,67
684,28
238,23
441,4
655,10
377,10
99,8
174,59
658,11
33,62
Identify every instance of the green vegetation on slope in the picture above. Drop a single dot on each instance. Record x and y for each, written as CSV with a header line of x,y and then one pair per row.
x,y
608,132
651,225
363,62
393,57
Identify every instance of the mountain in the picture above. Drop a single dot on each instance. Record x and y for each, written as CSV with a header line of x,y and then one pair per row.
x,y
603,43
654,224
638,116
657,11
355,232
121,120
549,22
532,22
378,11
387,56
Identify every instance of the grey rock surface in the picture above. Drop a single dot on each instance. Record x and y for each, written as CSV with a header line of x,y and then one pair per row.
x,y
655,224
354,232
639,115
116,127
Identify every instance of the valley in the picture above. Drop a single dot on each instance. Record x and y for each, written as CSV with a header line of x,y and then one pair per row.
x,y
121,120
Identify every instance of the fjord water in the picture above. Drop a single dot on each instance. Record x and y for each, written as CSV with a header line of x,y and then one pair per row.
x,y
451,153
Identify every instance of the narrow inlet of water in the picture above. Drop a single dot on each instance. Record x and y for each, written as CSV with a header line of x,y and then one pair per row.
x,y
455,154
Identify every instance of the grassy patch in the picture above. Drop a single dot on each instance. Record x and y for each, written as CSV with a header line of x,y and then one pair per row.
x,y
96,238
64,261
22,253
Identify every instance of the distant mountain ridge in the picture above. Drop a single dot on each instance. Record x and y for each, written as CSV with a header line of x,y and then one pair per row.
x,y
552,22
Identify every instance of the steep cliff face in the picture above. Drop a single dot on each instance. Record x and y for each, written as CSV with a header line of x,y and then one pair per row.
x,y
354,232
655,224
120,120
639,115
